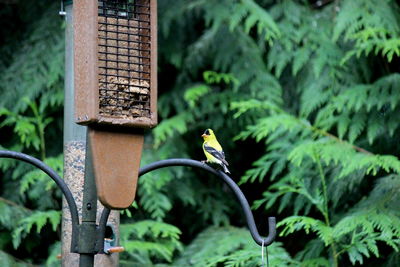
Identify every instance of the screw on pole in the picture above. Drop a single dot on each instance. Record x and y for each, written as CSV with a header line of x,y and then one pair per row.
x,y
62,10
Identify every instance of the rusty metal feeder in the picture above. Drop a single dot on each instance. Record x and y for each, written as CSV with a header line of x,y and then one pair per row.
x,y
115,65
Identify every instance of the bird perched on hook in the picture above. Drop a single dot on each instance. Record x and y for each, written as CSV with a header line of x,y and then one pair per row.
x,y
213,150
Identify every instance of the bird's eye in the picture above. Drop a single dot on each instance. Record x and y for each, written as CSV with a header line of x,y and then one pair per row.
x,y
207,132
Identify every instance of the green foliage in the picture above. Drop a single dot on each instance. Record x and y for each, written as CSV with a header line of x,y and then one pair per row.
x,y
150,239
31,71
324,155
379,32
326,145
303,98
36,68
314,89
38,219
29,129
9,261
10,213
230,247
54,252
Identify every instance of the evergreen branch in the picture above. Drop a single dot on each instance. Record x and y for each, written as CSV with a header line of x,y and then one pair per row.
x,y
8,259
41,125
12,203
246,106
326,209
337,139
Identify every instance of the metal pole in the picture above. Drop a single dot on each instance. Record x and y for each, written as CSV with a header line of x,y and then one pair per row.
x,y
74,144
74,166
86,260
87,233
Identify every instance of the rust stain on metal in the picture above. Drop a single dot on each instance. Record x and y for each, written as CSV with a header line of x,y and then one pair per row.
x,y
116,161
116,62
153,63
85,61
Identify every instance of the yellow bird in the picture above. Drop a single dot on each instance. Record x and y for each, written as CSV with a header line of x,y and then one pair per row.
x,y
213,150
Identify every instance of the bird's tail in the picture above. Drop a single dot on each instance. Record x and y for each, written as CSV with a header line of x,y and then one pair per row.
x,y
226,169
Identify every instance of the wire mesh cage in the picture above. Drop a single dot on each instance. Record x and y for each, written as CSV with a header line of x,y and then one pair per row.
x,y
124,59
123,86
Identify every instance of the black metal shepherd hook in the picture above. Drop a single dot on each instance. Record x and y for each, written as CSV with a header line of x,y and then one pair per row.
x,y
100,233
60,183
232,185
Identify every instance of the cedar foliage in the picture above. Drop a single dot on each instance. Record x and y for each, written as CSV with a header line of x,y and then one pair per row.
x,y
304,99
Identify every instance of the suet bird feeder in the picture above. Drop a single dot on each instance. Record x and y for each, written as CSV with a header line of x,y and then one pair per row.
x,y
115,65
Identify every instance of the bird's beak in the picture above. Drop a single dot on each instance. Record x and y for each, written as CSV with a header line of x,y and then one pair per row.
x,y
203,135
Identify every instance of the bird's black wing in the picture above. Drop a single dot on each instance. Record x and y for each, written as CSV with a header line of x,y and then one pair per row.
x,y
217,154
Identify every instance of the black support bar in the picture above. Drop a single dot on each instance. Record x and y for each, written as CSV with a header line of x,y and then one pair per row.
x,y
95,242
60,183
232,185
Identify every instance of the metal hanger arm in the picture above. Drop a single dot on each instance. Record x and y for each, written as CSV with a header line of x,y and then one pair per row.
x,y
57,179
232,185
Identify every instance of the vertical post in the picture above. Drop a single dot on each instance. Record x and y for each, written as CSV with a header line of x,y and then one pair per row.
x,y
74,145
74,165
87,234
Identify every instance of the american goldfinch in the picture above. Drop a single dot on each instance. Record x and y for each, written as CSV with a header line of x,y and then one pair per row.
x,y
213,150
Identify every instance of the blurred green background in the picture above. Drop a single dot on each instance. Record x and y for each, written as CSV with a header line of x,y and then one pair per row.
x,y
303,96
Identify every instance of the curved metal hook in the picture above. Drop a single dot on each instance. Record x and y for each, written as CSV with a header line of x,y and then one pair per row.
x,y
56,178
153,166
232,185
